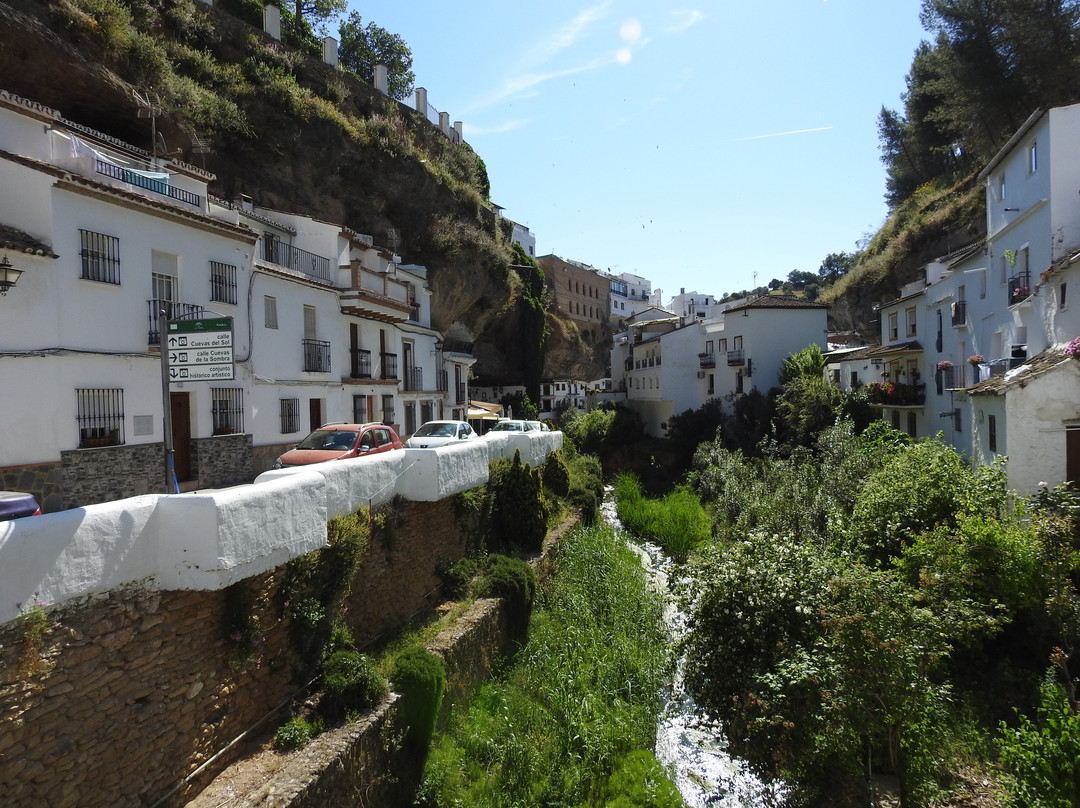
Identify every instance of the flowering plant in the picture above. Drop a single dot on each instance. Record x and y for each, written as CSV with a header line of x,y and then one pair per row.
x,y
976,359
1019,293
1073,348
944,364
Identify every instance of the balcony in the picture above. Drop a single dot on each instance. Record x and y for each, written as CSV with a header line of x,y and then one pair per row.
x,y
147,180
888,394
442,381
389,365
169,310
1019,287
308,264
959,313
736,358
414,379
377,296
706,360
361,364
316,355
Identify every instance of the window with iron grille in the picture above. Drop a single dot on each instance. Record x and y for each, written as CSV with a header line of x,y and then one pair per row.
x,y
269,311
222,282
359,409
388,409
227,409
100,257
99,413
290,415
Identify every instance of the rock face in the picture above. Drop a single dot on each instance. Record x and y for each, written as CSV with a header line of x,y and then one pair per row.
x,y
386,172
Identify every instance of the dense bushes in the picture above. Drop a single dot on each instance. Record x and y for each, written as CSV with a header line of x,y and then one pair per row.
x,y
352,682
517,508
678,522
420,677
869,598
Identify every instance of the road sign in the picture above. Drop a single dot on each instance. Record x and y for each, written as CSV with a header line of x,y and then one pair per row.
x,y
200,350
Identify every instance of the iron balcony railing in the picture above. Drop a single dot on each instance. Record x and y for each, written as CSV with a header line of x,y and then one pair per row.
x,y
736,357
442,381
959,313
361,364
1019,287
707,360
313,266
316,355
149,183
414,379
169,310
389,365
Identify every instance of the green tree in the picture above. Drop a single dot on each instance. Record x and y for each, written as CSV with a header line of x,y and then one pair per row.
x,y
361,47
318,13
834,267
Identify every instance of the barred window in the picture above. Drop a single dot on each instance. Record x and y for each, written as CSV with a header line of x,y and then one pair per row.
x,y
227,409
100,257
222,282
269,311
290,415
359,409
100,416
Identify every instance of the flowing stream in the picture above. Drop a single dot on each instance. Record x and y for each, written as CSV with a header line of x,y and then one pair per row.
x,y
692,747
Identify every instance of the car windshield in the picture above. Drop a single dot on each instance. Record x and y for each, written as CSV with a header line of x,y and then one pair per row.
x,y
330,440
506,426
433,430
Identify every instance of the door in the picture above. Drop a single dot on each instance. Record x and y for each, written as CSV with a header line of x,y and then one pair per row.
x,y
1072,456
315,414
180,403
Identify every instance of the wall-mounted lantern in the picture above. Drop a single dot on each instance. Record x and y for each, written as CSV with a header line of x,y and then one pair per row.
x,y
9,275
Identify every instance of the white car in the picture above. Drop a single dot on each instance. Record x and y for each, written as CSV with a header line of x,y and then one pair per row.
x,y
440,433
512,425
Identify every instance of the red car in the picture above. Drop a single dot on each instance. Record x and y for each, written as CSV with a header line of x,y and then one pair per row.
x,y
340,441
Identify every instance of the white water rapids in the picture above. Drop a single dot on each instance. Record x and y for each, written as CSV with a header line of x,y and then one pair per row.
x,y
687,743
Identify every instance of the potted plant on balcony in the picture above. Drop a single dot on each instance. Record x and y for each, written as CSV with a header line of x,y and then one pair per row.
x,y
1073,349
944,365
1018,293
976,359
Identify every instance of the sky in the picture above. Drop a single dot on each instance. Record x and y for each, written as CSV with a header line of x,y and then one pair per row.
x,y
708,146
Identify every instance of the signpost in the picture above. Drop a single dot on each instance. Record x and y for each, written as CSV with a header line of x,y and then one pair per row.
x,y
191,351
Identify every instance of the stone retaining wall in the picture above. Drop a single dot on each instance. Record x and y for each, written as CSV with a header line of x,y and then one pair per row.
x,y
132,691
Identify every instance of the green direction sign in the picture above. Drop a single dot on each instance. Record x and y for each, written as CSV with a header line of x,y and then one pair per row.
x,y
200,350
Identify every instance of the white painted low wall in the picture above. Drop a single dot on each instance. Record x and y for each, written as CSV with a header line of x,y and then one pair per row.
x,y
209,540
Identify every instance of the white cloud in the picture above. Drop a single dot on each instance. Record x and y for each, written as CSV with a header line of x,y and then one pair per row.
x,y
685,19
782,134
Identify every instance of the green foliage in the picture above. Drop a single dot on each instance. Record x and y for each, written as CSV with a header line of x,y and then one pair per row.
x,y
688,430
457,576
809,363
420,677
517,506
514,581
361,47
315,584
556,474
352,682
640,781
297,732
678,522
919,486
586,485
602,430
1043,755
554,726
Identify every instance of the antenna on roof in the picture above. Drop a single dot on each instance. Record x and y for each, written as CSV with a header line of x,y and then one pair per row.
x,y
149,107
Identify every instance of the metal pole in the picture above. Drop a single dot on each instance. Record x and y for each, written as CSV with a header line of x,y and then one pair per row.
x,y
170,474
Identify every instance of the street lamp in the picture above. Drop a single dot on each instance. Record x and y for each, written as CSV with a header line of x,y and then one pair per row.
x,y
9,275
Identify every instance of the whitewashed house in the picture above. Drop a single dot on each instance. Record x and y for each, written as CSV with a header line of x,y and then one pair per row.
x,y
117,247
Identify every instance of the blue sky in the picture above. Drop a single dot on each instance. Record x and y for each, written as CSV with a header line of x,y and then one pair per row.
x,y
704,146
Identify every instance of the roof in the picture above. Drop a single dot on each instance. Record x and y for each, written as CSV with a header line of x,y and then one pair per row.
x,y
777,302
15,240
852,354
882,351
1036,366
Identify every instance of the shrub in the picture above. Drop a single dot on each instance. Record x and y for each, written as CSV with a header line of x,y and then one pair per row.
x,y
515,582
678,522
352,682
517,506
457,576
420,677
556,474
1043,756
295,733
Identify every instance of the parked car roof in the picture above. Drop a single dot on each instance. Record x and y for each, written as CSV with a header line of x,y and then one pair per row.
x,y
340,442
16,504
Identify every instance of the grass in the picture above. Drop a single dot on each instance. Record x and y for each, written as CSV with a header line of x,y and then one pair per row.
x,y
580,697
678,522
